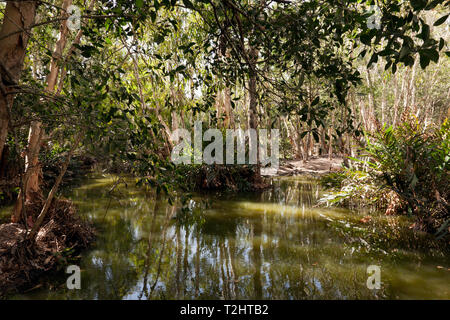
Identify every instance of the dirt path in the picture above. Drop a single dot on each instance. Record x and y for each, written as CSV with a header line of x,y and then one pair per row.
x,y
314,166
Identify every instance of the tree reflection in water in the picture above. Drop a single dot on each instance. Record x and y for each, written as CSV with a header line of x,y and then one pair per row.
x,y
271,245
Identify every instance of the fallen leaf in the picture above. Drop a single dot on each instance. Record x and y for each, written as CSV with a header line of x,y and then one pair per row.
x,y
366,219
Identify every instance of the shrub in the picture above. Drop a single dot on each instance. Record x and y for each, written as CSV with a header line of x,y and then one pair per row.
x,y
409,167
414,161
354,187
220,177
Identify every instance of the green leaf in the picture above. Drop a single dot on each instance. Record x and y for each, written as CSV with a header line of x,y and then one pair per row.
x,y
425,34
388,65
404,51
159,38
433,4
418,4
153,15
188,4
424,61
394,68
441,20
366,38
431,54
315,136
373,59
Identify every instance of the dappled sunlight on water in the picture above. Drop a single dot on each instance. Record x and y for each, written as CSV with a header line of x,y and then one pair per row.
x,y
270,245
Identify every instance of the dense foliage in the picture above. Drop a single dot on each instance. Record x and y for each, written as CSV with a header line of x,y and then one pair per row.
x,y
137,70
407,170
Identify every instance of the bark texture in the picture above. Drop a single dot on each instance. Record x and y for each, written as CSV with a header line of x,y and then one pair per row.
x,y
14,34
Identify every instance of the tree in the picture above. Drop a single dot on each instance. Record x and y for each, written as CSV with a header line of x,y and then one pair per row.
x,y
14,35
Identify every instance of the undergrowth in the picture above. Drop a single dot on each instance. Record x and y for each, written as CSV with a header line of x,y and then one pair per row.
x,y
403,170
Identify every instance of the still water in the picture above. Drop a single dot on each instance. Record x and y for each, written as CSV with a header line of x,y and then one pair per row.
x,y
271,245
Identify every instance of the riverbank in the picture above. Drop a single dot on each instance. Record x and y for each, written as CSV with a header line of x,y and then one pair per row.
x,y
23,261
315,166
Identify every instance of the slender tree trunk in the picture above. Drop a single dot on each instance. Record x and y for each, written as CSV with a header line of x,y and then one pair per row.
x,y
370,114
53,191
383,102
305,150
33,170
75,42
252,108
223,107
412,85
330,136
323,142
403,95
396,100
253,103
228,110
293,137
405,89
218,105
175,121
299,141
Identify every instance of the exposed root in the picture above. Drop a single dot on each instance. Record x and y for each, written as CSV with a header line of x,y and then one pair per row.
x,y
22,262
235,178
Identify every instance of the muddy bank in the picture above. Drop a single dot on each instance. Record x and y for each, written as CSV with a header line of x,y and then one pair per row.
x,y
62,234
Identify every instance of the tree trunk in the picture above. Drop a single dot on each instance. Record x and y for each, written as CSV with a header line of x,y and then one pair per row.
x,y
330,136
323,143
383,102
33,170
252,110
218,105
75,42
396,100
18,16
412,85
229,119
253,104
53,191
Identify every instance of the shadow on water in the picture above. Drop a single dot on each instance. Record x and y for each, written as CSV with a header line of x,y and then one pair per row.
x,y
270,245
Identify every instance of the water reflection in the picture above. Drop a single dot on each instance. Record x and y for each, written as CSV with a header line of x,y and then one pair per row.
x,y
271,245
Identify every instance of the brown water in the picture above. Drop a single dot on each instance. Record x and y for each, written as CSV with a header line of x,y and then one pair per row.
x,y
270,245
